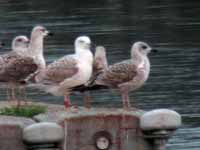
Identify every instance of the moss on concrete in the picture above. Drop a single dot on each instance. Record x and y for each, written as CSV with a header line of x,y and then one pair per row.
x,y
23,111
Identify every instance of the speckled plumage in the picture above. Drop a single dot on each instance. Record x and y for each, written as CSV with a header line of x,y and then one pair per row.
x,y
15,68
117,74
128,75
58,71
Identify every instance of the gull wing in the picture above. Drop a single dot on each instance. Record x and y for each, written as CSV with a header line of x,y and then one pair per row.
x,y
118,73
58,71
16,68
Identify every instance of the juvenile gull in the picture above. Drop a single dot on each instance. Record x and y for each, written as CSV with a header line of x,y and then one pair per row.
x,y
128,75
14,67
67,72
20,44
100,63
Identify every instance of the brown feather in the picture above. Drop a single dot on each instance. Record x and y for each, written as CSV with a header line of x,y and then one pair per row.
x,y
58,71
118,73
15,68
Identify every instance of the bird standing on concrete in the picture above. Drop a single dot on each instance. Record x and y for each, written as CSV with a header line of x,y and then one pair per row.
x,y
15,66
128,75
100,63
36,46
67,72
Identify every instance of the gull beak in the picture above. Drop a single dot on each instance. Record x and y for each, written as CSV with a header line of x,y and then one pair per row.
x,y
92,48
48,33
28,41
154,50
2,44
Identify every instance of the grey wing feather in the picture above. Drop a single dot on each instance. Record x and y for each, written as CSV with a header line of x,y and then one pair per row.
x,y
118,73
58,71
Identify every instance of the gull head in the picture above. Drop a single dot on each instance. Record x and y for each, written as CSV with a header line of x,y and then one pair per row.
x,y
40,31
100,52
83,43
141,47
20,43
100,59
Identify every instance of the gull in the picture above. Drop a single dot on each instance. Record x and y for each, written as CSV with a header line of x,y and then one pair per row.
x,y
100,63
67,72
20,45
128,75
14,66
35,49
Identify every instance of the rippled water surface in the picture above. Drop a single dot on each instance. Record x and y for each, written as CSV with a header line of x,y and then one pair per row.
x,y
171,26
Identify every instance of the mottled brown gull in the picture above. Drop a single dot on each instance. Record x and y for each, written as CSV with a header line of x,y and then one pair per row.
x,y
128,75
14,67
100,63
20,44
69,71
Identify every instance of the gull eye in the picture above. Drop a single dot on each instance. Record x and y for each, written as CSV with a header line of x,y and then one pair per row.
x,y
81,41
19,40
144,47
43,30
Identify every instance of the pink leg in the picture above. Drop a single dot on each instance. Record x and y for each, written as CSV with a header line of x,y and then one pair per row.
x,y
67,101
8,94
13,96
87,100
125,99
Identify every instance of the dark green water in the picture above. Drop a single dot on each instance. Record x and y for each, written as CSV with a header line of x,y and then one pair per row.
x,y
171,26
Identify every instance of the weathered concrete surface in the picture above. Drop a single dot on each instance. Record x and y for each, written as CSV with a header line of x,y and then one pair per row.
x,y
122,128
11,138
18,121
45,132
160,119
82,126
11,132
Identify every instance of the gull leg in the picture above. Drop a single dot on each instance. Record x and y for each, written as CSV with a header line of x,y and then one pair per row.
x,y
22,91
18,103
13,93
13,98
125,100
87,99
8,94
67,101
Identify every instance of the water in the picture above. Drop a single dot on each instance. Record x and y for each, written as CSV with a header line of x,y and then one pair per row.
x,y
170,26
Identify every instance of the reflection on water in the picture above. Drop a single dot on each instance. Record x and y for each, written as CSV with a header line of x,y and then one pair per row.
x,y
170,26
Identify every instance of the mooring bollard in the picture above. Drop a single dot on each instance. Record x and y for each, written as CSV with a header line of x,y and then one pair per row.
x,y
103,129
43,136
158,126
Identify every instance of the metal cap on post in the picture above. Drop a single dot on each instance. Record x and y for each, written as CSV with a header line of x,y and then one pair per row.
x,y
159,125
